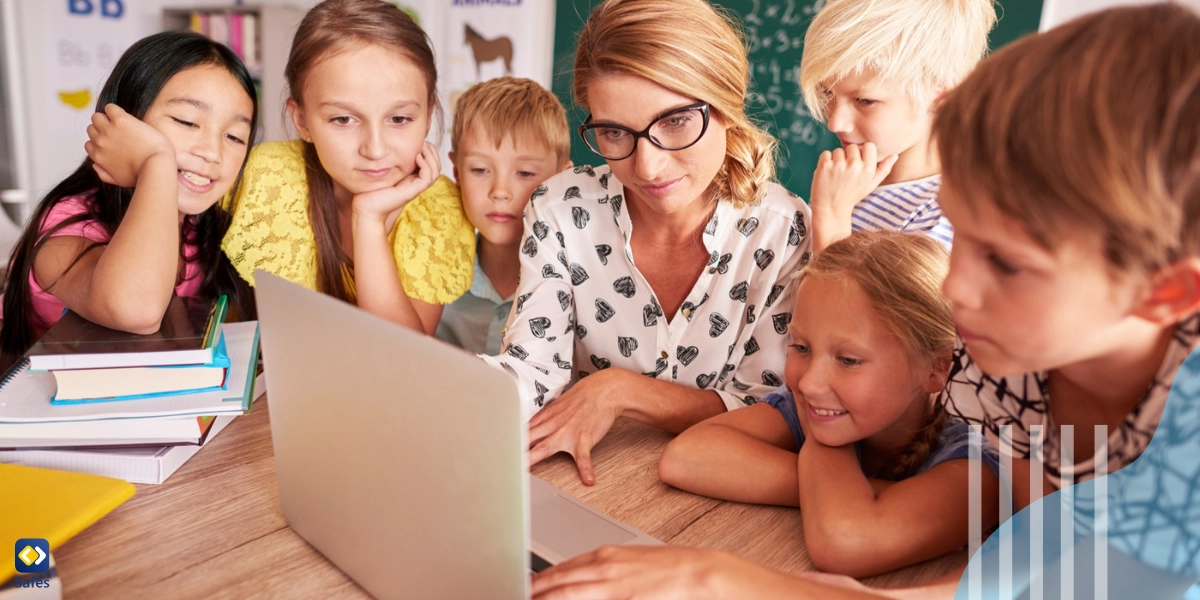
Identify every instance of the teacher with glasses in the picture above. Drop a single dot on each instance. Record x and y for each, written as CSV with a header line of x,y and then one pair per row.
x,y
659,286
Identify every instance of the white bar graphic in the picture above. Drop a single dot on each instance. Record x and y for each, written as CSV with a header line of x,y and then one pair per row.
x,y
1101,514
975,516
1036,566
1066,528
1006,505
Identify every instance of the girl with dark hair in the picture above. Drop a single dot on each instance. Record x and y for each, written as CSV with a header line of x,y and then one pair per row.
x,y
356,208
140,219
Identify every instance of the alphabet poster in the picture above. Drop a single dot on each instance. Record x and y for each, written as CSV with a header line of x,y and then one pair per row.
x,y
81,41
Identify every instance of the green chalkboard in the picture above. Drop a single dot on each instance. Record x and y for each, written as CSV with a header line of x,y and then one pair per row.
x,y
775,32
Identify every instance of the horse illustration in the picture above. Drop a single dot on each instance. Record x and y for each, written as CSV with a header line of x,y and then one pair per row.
x,y
488,50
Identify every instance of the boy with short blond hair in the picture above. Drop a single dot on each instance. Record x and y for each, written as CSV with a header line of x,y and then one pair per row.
x,y
873,71
509,134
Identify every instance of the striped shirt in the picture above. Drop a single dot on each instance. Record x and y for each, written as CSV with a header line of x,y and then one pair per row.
x,y
906,206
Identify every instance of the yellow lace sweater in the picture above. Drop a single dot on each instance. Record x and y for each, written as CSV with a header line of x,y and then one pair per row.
x,y
433,242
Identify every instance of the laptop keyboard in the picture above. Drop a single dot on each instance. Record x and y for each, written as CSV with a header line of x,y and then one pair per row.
x,y
537,564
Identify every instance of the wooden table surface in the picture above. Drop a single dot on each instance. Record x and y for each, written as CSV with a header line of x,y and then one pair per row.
x,y
214,529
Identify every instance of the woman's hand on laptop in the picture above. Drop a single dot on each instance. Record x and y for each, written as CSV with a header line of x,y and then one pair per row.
x,y
576,421
636,572
662,572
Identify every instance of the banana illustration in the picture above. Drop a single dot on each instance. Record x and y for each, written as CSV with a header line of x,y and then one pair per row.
x,y
78,99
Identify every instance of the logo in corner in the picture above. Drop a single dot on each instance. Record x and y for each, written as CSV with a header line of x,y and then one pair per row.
x,y
32,555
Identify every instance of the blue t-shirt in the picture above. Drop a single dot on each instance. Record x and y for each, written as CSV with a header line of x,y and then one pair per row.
x,y
953,443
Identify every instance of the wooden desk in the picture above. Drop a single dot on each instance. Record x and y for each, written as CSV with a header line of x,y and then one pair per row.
x,y
215,529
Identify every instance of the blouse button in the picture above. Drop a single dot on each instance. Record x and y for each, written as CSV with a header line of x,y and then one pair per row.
x,y
664,354
712,270
687,312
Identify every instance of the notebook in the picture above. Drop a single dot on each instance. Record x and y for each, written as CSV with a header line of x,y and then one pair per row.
x,y
152,464
52,505
104,433
25,394
188,336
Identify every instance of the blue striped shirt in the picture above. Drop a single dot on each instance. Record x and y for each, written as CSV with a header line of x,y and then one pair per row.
x,y
907,206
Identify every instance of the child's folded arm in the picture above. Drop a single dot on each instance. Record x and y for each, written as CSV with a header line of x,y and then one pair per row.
x,y
852,529
743,455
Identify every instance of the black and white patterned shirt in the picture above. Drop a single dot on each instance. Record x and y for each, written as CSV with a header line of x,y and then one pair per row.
x,y
1021,401
582,305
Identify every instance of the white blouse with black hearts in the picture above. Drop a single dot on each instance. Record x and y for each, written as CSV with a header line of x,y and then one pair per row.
x,y
582,306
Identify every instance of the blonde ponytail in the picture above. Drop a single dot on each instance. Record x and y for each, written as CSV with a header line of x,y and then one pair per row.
x,y
749,166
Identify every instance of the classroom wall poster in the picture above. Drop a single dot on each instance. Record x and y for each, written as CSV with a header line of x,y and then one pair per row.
x,y
80,41
485,39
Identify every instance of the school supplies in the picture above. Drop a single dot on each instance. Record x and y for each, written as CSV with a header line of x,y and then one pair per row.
x,y
25,394
106,433
188,336
52,505
153,464
93,385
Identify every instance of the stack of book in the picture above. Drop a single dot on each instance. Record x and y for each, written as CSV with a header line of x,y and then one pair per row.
x,y
90,399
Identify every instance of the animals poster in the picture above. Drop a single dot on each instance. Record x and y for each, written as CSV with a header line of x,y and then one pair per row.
x,y
485,39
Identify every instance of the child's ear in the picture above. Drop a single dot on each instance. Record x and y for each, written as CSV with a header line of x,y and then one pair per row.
x,y
567,164
1174,292
297,115
453,164
940,372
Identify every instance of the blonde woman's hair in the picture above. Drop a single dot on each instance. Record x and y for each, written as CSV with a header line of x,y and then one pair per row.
x,y
921,46
513,106
1092,126
901,275
690,48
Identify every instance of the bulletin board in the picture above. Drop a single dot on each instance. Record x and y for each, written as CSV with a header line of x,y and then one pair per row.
x,y
775,34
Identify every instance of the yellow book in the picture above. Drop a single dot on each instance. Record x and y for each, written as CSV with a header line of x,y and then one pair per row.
x,y
52,505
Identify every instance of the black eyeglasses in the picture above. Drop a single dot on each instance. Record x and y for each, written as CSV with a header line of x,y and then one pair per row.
x,y
674,130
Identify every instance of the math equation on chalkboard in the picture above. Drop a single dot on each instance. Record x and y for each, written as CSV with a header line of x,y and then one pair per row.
x,y
775,41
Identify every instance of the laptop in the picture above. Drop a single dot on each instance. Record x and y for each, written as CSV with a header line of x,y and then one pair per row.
x,y
402,459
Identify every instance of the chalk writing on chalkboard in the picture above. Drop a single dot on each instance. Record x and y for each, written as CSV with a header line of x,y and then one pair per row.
x,y
775,42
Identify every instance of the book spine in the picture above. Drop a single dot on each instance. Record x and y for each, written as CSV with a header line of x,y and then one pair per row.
x,y
250,41
215,319
235,36
219,26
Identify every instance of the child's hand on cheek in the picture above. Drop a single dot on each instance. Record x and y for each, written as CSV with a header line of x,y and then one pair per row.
x,y
843,178
385,205
121,145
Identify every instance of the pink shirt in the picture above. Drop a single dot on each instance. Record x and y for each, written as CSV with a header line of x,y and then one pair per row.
x,y
46,308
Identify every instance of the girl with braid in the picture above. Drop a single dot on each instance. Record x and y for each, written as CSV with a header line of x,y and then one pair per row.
x,y
855,437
